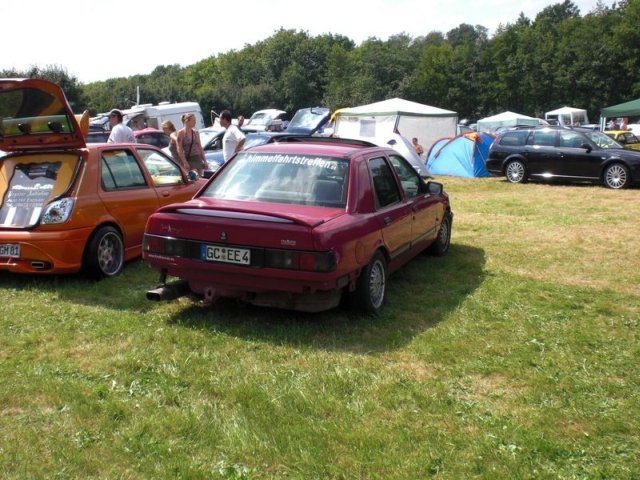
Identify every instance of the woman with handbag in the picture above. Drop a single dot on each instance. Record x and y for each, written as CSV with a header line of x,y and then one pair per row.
x,y
190,150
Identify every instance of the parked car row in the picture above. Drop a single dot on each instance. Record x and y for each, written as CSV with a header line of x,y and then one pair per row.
x,y
297,222
306,121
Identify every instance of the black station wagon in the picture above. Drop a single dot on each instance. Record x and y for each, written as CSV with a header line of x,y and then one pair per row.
x,y
563,153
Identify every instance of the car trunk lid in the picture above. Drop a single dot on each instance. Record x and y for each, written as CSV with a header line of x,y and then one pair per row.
x,y
242,223
35,116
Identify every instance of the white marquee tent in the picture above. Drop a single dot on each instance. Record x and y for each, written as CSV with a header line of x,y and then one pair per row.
x,y
568,116
504,120
396,115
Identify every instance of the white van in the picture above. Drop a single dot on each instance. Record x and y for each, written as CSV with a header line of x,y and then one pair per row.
x,y
152,116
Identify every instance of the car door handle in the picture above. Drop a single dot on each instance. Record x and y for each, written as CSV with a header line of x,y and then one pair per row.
x,y
165,193
386,220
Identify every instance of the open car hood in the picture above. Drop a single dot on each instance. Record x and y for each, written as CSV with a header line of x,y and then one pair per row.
x,y
35,115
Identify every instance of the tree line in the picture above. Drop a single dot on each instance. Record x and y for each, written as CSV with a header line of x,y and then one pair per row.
x,y
529,66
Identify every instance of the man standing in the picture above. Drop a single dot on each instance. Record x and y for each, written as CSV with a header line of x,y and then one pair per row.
x,y
233,139
416,146
120,133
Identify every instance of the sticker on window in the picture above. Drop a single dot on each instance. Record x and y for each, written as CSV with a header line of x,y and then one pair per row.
x,y
29,189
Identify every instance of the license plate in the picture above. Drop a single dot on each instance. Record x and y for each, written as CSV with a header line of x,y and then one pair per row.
x,y
217,253
9,250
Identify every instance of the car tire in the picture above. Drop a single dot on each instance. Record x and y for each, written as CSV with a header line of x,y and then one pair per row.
x,y
104,255
441,245
371,287
516,172
616,176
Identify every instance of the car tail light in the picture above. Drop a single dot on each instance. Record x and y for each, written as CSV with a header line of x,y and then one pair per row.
x,y
296,260
58,211
151,243
167,246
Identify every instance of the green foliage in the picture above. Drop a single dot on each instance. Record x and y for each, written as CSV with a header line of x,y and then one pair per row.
x,y
73,90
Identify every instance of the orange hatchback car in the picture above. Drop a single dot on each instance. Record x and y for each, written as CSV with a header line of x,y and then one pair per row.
x,y
66,206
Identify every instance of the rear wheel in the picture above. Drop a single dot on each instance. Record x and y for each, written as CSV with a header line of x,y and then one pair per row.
x,y
441,246
515,172
104,256
616,176
371,287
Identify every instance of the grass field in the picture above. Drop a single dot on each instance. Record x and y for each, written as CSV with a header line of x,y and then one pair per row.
x,y
514,357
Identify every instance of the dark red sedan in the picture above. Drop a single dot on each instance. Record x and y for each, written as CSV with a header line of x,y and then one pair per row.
x,y
297,225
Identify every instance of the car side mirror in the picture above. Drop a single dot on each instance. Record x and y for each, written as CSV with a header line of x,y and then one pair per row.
x,y
587,147
434,188
192,176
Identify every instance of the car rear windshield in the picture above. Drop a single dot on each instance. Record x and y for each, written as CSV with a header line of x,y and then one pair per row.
x,y
28,183
295,179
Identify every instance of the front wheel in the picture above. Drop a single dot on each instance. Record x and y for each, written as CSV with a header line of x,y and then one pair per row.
x,y
371,287
516,172
616,176
104,256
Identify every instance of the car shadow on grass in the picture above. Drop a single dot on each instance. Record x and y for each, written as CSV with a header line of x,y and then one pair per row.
x,y
420,296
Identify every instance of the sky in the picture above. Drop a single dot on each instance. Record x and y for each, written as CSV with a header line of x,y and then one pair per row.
x,y
96,40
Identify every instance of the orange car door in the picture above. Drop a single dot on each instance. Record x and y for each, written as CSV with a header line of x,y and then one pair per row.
x,y
126,193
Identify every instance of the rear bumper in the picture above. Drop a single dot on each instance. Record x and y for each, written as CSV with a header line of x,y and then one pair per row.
x,y
235,280
45,252
267,287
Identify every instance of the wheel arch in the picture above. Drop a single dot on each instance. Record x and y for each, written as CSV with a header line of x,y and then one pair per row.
x,y
95,230
609,162
356,275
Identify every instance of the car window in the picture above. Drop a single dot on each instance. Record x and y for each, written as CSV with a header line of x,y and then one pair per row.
x,y
384,183
120,170
571,139
162,170
296,179
410,181
514,139
602,140
543,138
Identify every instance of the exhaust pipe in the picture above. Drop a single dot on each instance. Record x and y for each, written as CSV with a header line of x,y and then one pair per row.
x,y
169,291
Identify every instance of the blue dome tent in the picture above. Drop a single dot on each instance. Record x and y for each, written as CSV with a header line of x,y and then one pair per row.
x,y
461,156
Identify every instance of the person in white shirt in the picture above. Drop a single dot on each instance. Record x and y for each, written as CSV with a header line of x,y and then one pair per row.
x,y
120,133
233,139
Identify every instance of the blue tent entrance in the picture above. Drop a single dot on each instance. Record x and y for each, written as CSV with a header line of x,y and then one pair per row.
x,y
461,156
